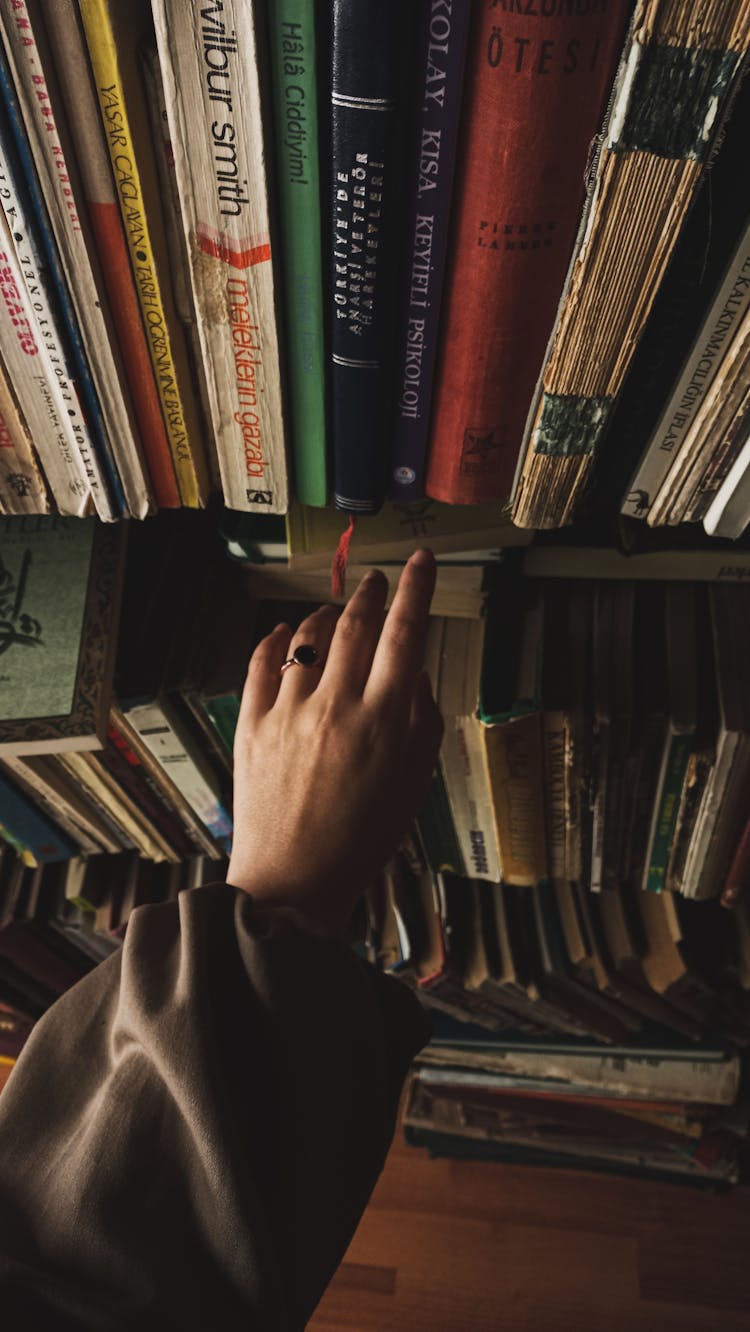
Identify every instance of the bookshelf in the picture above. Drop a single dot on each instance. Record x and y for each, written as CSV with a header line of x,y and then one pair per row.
x,y
556,774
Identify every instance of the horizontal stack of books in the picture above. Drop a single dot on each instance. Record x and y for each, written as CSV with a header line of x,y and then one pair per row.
x,y
276,249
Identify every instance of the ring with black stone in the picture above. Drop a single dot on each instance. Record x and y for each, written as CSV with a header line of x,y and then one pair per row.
x,y
304,655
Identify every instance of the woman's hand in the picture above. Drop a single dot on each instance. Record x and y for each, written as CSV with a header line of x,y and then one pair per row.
x,y
333,761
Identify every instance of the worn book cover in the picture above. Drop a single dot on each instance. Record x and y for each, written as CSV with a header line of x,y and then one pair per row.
x,y
680,69
60,582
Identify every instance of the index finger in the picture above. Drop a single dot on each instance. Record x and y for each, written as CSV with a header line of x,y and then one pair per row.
x,y
398,656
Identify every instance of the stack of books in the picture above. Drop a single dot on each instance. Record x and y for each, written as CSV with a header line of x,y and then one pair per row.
x,y
280,249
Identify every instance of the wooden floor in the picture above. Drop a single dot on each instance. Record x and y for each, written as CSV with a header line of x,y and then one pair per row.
x,y
457,1246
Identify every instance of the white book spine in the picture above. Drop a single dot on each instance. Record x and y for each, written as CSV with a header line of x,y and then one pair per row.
x,y
169,748
707,815
67,213
31,374
731,302
729,513
209,68
468,789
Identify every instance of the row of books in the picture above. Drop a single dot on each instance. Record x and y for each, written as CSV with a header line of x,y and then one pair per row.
x,y
442,286
595,732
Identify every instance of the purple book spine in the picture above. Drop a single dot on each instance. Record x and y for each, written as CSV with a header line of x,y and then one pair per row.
x,y
442,57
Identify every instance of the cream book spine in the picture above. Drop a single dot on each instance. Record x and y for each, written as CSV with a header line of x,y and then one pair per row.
x,y
208,56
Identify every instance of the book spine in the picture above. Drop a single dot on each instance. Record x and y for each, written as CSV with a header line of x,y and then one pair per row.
x,y
514,759
370,47
467,785
293,47
730,303
29,828
31,373
128,741
22,488
210,72
74,74
554,732
665,812
538,81
56,172
171,750
113,107
442,51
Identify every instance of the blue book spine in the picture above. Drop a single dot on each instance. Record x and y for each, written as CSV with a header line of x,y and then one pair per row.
x,y
35,210
29,829
442,55
372,49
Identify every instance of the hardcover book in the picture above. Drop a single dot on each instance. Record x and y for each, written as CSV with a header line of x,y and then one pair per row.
x,y
295,87
536,87
372,49
60,582
441,53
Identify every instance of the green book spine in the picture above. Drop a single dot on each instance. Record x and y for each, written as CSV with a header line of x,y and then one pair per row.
x,y
292,35
679,753
224,712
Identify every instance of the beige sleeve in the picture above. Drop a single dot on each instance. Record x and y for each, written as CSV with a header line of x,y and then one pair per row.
x,y
192,1132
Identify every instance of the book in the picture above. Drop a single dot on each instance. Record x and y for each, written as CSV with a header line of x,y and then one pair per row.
x,y
209,64
728,513
458,645
508,702
458,588
113,32
295,90
73,71
536,88
682,685
60,587
371,51
719,566
440,59
720,815
700,368
647,173
54,161
713,439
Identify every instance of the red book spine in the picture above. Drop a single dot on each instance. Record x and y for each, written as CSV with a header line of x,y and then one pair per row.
x,y
105,220
538,76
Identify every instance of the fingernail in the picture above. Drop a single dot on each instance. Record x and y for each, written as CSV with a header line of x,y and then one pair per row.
x,y
374,576
424,558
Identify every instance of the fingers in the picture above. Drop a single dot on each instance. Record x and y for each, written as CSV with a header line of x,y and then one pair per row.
x,y
399,654
354,642
315,631
264,675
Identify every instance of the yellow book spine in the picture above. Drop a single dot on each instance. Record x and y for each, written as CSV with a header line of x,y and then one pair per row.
x,y
110,94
